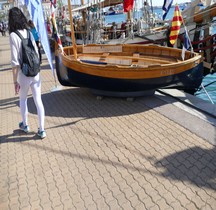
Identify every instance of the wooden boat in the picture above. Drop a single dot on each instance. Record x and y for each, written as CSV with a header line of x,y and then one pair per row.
x,y
128,70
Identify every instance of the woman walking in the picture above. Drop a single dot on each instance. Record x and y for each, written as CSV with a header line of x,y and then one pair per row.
x,y
18,22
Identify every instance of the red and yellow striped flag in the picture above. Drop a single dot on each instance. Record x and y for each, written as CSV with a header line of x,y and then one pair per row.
x,y
176,25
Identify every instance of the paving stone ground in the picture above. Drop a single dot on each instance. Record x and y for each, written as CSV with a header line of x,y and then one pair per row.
x,y
99,154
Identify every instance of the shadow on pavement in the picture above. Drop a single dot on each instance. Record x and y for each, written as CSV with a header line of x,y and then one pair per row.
x,y
18,136
45,67
194,165
79,102
5,69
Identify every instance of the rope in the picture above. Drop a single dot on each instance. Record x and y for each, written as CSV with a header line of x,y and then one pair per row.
x,y
210,83
207,94
206,85
209,91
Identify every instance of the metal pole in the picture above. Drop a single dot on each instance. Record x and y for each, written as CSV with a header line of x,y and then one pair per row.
x,y
207,93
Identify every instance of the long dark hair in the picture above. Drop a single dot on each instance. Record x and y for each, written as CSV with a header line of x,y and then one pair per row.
x,y
16,20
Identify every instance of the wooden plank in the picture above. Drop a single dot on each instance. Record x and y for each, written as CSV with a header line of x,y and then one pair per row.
x,y
150,61
119,61
102,49
136,55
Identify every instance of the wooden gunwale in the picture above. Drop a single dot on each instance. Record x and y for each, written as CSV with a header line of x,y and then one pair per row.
x,y
130,48
151,52
130,72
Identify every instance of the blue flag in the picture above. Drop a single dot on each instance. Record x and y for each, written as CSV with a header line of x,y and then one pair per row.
x,y
36,12
186,41
166,7
186,44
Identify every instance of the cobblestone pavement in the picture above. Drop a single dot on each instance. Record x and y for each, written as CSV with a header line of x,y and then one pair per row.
x,y
99,154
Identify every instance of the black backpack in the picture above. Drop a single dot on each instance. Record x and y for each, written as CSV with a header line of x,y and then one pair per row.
x,y
30,60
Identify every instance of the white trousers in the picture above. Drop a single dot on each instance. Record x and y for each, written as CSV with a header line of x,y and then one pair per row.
x,y
35,84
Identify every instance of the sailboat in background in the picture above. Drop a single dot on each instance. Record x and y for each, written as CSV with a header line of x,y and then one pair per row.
x,y
199,17
203,38
91,28
114,10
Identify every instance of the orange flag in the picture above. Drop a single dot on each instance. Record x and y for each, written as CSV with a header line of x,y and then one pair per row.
x,y
176,25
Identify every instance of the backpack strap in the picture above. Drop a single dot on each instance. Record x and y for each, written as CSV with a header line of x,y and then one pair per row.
x,y
20,35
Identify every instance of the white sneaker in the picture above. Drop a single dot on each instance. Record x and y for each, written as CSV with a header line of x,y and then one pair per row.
x,y
26,128
41,134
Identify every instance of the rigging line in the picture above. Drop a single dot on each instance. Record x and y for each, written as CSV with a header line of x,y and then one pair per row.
x,y
151,7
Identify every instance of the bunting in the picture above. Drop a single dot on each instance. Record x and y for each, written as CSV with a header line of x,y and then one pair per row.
x,y
176,25
128,5
53,20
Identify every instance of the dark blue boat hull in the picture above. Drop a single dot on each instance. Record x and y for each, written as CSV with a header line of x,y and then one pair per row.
x,y
188,81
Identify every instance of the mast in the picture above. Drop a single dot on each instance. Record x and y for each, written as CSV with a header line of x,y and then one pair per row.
x,y
129,15
72,30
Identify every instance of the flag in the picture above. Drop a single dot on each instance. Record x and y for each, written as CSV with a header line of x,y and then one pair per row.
x,y
53,20
186,44
176,25
128,5
35,10
166,7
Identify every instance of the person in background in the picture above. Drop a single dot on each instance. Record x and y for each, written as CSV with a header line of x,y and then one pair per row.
x,y
18,22
48,27
4,29
36,37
